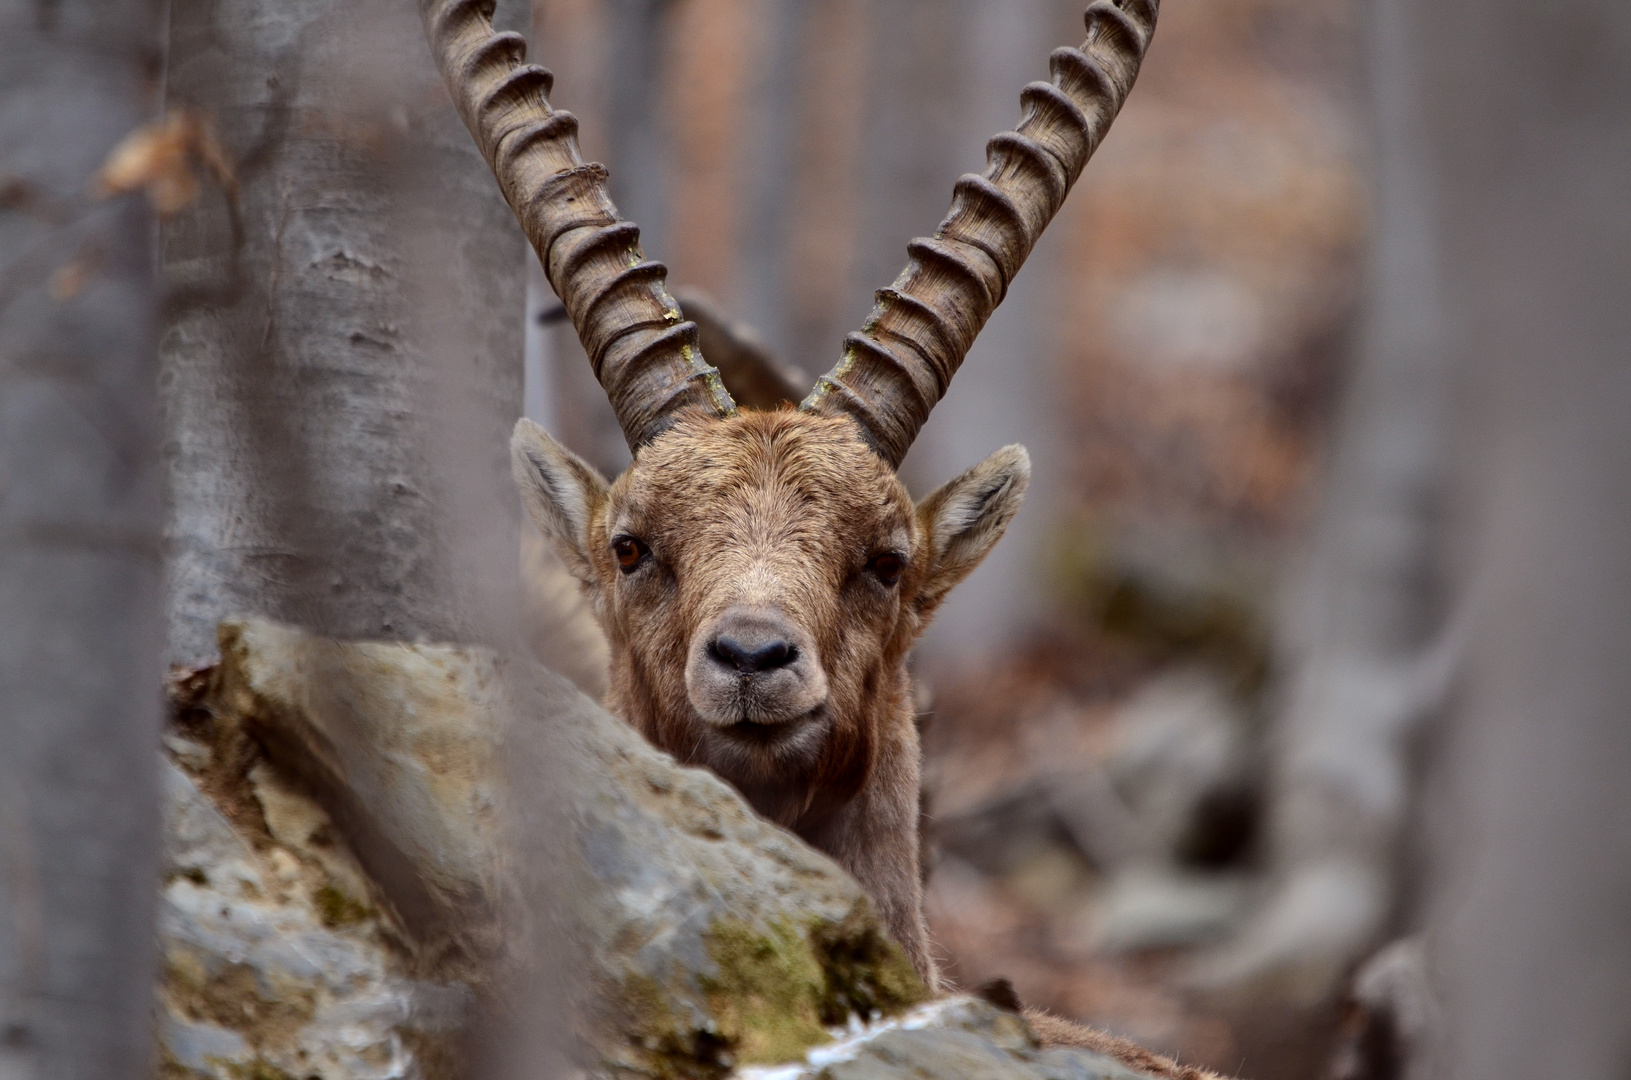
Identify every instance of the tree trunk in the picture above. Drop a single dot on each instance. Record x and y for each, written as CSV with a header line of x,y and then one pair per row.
x,y
79,527
1364,641
770,152
1529,132
327,334
821,202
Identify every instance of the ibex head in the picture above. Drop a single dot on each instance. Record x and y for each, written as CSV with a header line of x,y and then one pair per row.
x,y
761,574
760,577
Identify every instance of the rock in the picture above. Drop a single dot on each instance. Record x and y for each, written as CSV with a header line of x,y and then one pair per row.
x,y
273,968
350,812
952,1039
357,837
1299,944
1179,756
1394,1024
999,835
1156,907
401,744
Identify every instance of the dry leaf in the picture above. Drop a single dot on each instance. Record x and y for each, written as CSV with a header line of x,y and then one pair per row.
x,y
160,158
68,280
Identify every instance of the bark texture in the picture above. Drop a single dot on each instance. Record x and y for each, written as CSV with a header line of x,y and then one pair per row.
x,y
79,526
342,341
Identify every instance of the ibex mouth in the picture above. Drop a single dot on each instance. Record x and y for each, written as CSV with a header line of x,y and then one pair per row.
x,y
751,731
769,732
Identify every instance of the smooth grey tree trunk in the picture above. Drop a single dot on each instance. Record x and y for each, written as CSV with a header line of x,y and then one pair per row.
x,y
834,101
324,336
1364,642
637,146
763,275
79,566
1528,130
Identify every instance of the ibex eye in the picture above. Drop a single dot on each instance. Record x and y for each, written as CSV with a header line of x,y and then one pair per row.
x,y
887,567
630,553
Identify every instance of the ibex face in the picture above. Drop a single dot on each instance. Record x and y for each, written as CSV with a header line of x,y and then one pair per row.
x,y
762,574
761,578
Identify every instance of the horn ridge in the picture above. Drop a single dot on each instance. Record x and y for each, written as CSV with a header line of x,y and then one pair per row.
x,y
982,214
929,328
883,356
955,279
642,351
1012,152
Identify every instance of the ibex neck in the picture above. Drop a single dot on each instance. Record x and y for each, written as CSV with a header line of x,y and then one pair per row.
x,y
798,779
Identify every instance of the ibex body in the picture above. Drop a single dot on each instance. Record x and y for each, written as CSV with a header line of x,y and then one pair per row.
x,y
760,579
761,575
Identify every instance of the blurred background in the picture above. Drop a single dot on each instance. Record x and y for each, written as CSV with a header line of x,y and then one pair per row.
x,y
1286,730
1186,729
1102,697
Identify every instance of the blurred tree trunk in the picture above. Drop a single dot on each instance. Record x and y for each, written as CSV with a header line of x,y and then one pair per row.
x,y
79,528
637,149
771,149
813,278
1362,642
1529,132
325,334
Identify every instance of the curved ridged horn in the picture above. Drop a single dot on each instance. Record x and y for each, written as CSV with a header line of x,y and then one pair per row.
x,y
644,352
898,366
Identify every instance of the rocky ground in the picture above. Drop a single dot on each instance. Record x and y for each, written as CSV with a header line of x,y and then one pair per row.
x,y
1090,845
380,858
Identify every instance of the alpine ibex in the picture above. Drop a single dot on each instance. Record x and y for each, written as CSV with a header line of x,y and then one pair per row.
x,y
761,575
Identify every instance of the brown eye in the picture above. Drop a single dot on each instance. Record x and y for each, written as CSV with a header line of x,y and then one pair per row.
x,y
887,567
630,553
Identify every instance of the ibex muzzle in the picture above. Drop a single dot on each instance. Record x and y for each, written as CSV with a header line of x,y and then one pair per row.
x,y
761,575
755,674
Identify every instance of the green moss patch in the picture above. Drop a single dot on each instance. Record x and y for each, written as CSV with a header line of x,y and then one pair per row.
x,y
669,1048
335,908
770,994
773,994
776,993
866,973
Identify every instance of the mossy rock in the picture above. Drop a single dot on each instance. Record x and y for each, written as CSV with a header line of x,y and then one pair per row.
x,y
703,935
773,994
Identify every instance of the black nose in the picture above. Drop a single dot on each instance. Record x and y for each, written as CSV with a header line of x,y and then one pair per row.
x,y
748,659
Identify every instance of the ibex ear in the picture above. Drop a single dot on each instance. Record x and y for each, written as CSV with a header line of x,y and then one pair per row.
x,y
560,490
965,518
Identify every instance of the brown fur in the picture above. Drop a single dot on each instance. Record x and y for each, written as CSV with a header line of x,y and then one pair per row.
x,y
777,514
1056,1031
